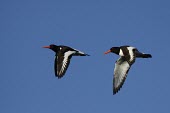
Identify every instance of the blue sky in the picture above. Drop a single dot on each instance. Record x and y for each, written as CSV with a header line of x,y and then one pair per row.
x,y
27,80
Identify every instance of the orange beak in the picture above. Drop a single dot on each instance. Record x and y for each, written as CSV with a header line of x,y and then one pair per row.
x,y
46,47
107,52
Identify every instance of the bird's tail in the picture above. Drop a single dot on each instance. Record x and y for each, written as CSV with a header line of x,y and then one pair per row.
x,y
79,53
83,54
146,56
142,55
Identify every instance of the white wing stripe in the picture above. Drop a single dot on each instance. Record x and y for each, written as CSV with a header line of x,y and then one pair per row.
x,y
66,55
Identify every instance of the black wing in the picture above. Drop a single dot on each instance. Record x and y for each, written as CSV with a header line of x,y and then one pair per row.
x,y
62,62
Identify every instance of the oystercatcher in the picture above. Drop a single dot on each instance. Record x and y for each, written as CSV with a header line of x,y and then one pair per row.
x,y
127,54
63,56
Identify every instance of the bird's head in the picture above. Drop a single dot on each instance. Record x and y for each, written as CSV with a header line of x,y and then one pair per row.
x,y
113,50
52,47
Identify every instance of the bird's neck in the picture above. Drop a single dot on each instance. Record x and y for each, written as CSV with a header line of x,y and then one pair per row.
x,y
55,49
116,50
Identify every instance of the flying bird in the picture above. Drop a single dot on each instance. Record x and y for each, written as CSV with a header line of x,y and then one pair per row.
x,y
63,57
128,55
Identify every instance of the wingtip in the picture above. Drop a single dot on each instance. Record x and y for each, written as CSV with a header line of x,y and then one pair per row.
x,y
58,76
114,92
150,56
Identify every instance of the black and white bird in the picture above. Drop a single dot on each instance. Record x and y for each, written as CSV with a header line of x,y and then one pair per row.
x,y
63,56
127,54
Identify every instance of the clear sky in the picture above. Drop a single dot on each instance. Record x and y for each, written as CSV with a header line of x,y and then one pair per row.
x,y
27,80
